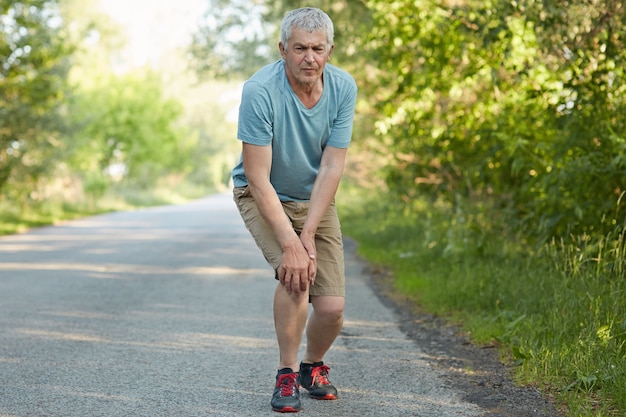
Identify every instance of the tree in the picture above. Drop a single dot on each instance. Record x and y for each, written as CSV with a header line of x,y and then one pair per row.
x,y
125,126
517,103
128,130
33,87
584,43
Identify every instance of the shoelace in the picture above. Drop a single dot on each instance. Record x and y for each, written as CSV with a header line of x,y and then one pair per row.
x,y
319,373
287,384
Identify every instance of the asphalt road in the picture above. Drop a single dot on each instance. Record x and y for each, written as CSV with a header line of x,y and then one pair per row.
x,y
167,312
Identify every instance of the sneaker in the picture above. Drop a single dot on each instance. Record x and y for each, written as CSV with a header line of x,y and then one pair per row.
x,y
314,377
286,398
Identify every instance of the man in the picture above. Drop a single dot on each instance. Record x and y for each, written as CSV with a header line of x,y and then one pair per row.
x,y
295,124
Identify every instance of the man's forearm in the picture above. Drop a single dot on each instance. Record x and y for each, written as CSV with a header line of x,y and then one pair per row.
x,y
272,212
322,196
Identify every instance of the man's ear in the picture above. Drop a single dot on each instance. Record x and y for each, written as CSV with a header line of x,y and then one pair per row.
x,y
281,48
330,52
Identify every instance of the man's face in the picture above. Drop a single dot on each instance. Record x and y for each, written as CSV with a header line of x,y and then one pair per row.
x,y
305,56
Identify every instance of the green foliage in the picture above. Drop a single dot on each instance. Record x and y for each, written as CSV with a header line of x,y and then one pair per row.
x,y
591,126
72,128
127,129
558,312
474,102
33,87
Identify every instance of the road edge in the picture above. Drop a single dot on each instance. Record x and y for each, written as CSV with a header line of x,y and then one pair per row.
x,y
475,371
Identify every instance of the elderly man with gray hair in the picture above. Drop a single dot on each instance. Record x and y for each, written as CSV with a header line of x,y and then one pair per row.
x,y
295,125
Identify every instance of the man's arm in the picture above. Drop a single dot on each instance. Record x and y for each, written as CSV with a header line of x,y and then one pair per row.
x,y
324,190
296,270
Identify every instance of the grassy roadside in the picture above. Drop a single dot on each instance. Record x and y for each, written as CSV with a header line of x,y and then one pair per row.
x,y
558,311
19,217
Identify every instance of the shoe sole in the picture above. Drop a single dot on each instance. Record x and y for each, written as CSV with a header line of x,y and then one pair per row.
x,y
328,396
325,397
286,410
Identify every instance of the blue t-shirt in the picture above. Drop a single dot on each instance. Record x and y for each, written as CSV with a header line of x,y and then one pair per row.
x,y
270,114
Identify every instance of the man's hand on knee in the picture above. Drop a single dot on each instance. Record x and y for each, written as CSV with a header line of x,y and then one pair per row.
x,y
294,271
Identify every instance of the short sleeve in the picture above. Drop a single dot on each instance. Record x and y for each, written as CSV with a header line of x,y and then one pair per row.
x,y
341,133
255,125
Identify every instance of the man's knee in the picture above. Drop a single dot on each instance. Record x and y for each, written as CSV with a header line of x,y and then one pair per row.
x,y
329,309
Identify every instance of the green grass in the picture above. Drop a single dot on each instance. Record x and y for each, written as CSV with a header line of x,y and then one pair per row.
x,y
18,217
558,311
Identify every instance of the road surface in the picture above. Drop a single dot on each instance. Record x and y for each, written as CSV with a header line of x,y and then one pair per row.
x,y
167,312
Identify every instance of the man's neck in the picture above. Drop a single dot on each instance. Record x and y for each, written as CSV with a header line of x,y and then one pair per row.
x,y
309,94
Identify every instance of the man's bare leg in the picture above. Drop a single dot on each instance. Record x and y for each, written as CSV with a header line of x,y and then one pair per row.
x,y
290,315
322,330
324,326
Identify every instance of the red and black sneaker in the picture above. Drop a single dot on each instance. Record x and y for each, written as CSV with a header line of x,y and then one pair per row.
x,y
314,377
286,398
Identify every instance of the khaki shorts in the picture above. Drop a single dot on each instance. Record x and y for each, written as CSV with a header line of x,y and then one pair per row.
x,y
330,278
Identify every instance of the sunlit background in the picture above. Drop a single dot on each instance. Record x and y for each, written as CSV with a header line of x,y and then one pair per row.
x,y
154,28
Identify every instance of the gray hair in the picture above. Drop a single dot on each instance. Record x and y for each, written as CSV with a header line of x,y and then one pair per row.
x,y
309,19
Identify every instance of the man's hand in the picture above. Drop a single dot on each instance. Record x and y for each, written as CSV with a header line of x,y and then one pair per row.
x,y
295,270
308,241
